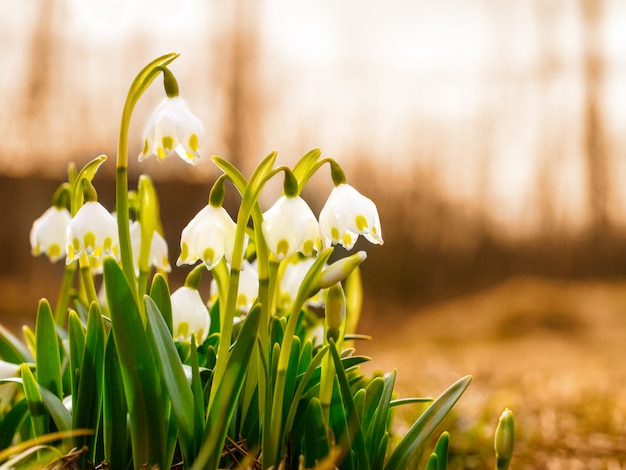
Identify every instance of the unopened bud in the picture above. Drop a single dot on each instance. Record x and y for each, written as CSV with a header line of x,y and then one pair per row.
x,y
504,441
335,311
340,270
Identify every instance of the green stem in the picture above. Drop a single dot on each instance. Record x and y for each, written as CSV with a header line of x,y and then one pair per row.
x,y
60,310
87,279
137,88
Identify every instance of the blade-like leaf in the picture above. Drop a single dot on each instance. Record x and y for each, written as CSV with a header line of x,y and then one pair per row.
x,y
12,349
173,376
11,422
48,359
316,445
88,400
77,349
114,410
227,394
355,432
441,449
38,415
40,400
426,424
160,294
142,384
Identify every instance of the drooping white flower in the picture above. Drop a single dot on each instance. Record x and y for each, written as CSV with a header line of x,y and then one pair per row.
x,y
348,214
173,128
93,230
158,248
209,236
248,289
47,234
290,226
189,315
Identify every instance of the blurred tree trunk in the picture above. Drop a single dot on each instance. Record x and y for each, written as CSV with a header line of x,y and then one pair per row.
x,y
594,139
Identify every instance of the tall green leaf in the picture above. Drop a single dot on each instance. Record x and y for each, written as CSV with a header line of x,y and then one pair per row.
x,y
77,349
173,376
88,400
48,359
38,416
426,424
142,384
114,410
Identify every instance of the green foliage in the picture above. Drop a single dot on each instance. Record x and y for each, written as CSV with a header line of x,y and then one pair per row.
x,y
263,389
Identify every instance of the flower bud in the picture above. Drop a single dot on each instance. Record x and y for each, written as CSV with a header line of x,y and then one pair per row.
x,y
335,311
340,270
504,441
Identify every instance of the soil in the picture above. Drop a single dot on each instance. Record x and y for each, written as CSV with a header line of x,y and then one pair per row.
x,y
552,351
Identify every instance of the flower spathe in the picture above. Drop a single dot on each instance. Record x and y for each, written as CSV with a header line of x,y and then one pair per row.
x,y
348,214
47,234
92,231
173,128
290,226
158,248
209,236
189,315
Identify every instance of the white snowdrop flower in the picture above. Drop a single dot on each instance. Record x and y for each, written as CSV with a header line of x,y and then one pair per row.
x,y
290,226
93,231
173,128
348,214
48,232
189,315
209,236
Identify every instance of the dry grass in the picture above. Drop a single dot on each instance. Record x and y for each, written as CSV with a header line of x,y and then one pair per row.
x,y
551,351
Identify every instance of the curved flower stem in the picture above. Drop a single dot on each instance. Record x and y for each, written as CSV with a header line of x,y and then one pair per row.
x,y
137,88
250,193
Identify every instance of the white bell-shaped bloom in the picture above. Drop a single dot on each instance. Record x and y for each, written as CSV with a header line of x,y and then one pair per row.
x,y
173,128
291,280
93,230
189,315
47,234
290,226
348,214
158,248
209,236
248,289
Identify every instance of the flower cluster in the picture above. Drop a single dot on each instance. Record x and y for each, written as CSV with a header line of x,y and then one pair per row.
x,y
163,377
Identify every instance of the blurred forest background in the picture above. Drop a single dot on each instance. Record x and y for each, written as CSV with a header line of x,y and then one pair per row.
x,y
492,135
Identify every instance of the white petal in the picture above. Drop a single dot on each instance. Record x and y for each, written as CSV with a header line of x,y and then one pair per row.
x,y
290,226
189,314
48,232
